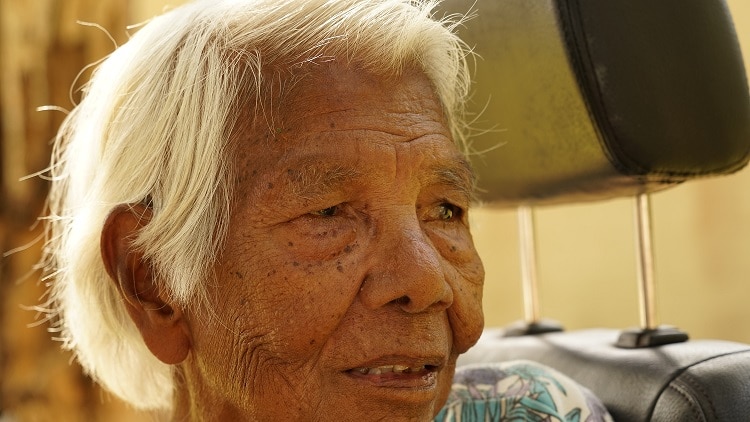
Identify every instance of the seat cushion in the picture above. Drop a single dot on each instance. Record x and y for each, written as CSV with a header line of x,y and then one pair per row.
x,y
700,380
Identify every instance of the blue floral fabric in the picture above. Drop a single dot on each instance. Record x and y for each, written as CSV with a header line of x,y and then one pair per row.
x,y
518,391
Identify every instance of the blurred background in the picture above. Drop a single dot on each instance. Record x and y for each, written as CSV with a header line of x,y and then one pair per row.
x,y
586,252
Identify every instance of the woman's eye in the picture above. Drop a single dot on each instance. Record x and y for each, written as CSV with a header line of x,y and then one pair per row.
x,y
327,212
448,212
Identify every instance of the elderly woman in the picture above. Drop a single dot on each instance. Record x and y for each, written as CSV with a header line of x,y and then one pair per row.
x,y
259,212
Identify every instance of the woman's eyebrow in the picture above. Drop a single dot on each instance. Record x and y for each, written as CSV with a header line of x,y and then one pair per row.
x,y
309,179
456,174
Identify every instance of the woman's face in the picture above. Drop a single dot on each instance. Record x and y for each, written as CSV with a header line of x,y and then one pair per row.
x,y
349,283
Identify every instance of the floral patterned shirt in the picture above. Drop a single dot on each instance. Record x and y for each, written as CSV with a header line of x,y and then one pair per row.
x,y
518,391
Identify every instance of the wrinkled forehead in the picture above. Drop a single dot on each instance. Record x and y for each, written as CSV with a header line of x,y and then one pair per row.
x,y
335,87
324,97
335,103
286,98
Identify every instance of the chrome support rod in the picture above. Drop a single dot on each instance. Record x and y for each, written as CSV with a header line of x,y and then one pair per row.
x,y
527,237
644,247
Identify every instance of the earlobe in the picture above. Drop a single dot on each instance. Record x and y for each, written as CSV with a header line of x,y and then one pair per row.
x,y
161,323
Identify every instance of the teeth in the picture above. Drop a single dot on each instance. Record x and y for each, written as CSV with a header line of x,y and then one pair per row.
x,y
398,369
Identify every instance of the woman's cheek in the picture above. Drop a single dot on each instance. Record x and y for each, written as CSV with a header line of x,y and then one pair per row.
x,y
320,268
453,242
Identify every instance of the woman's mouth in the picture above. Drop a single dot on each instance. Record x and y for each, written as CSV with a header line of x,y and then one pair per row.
x,y
398,376
396,369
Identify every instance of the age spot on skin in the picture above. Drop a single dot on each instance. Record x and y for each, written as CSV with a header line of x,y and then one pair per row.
x,y
327,233
270,185
293,174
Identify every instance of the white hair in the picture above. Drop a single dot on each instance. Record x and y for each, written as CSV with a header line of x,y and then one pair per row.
x,y
154,128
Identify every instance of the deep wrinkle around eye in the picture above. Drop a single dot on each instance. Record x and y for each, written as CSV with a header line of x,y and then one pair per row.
x,y
315,237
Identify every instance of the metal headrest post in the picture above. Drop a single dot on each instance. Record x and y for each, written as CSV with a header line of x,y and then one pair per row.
x,y
646,274
650,333
527,243
532,324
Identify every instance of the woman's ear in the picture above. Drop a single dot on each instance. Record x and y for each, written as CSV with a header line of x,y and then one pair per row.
x,y
162,324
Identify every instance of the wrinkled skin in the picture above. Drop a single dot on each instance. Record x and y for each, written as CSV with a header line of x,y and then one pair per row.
x,y
348,249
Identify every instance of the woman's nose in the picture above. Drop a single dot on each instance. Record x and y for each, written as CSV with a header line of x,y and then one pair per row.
x,y
406,271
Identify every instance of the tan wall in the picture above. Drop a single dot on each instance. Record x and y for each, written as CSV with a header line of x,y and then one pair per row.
x,y
587,264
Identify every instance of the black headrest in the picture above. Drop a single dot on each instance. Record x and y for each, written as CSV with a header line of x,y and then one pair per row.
x,y
590,99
